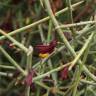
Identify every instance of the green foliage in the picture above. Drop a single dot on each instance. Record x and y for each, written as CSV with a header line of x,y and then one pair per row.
x,y
47,56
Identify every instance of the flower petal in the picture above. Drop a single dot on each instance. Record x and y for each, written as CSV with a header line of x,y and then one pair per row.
x,y
29,77
46,48
64,73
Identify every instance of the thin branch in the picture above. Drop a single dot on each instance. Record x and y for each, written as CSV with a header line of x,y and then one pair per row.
x,y
14,41
76,24
68,46
13,62
40,21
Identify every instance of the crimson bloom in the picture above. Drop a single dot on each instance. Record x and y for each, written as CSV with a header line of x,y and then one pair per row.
x,y
27,80
64,73
46,48
29,77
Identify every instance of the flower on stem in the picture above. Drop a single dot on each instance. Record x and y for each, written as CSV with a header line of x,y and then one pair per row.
x,y
29,77
64,73
45,50
27,80
43,55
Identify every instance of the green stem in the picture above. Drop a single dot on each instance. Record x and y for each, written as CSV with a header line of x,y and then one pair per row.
x,y
29,58
42,85
12,61
60,33
49,61
77,79
14,41
54,75
70,10
41,34
76,24
6,74
7,67
82,33
40,21
81,51
50,72
88,82
29,66
49,32
68,46
27,91
71,16
92,91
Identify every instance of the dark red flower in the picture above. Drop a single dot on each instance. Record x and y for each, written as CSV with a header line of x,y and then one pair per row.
x,y
64,73
46,48
29,77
